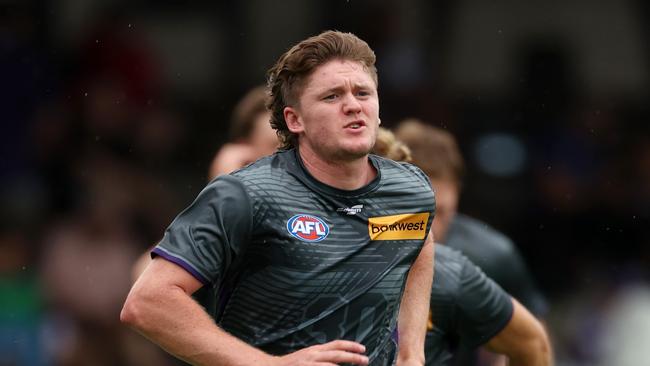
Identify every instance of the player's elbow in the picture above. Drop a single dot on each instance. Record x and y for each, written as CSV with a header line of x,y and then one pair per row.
x,y
542,349
541,346
134,311
130,312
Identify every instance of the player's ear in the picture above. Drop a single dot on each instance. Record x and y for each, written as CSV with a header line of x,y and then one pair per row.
x,y
293,119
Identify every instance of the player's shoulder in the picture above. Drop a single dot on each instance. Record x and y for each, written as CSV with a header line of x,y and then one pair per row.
x,y
266,168
474,289
448,271
452,261
391,169
470,230
388,164
464,279
448,254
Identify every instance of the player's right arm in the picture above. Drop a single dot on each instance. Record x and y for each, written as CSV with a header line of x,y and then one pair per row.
x,y
523,339
198,248
159,307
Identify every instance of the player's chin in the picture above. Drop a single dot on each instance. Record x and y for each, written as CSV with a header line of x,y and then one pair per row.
x,y
357,151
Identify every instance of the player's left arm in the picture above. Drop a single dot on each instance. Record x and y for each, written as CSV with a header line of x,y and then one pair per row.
x,y
414,309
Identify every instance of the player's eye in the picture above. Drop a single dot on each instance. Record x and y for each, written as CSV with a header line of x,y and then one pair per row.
x,y
330,97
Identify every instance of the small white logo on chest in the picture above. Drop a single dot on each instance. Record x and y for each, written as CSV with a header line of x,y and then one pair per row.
x,y
350,210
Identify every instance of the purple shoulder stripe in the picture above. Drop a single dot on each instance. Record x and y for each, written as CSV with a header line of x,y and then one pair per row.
x,y
186,266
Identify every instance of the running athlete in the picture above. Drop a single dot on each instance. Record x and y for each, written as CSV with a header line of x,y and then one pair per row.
x,y
315,251
468,309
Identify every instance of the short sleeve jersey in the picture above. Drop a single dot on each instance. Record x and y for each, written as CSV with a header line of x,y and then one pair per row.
x,y
296,262
467,308
499,258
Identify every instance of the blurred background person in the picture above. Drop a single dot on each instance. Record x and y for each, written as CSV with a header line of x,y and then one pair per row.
x,y
468,310
251,135
390,147
435,151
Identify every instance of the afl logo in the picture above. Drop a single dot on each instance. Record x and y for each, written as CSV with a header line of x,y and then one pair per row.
x,y
308,228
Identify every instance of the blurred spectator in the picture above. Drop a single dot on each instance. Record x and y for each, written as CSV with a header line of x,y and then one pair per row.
x,y
21,303
86,264
86,261
251,135
626,327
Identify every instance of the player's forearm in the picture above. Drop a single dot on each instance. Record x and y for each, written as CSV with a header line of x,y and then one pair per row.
x,y
524,339
415,307
535,350
180,326
536,353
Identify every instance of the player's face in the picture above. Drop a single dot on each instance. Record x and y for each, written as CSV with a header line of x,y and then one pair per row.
x,y
446,206
337,113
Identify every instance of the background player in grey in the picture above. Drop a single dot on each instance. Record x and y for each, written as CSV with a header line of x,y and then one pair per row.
x,y
251,135
307,289
468,309
435,151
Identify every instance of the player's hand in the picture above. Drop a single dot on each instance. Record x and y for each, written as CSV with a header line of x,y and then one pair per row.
x,y
328,354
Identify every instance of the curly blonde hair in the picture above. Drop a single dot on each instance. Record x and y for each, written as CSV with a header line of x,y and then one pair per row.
x,y
388,146
434,150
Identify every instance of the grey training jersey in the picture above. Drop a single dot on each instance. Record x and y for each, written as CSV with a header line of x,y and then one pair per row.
x,y
467,308
296,262
499,258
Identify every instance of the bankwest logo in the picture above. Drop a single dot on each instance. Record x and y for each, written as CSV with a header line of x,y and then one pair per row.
x,y
308,228
398,227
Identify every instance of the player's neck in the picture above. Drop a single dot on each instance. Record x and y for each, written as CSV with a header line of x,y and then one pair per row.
x,y
347,175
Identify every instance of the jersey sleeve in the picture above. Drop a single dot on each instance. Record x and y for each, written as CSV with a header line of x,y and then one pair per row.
x,y
518,281
498,256
484,308
208,236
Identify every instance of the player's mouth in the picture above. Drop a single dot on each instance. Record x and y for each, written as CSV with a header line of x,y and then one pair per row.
x,y
355,125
